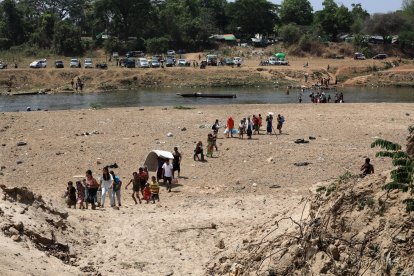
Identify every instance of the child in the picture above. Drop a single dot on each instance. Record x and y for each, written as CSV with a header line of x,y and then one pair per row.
x,y
198,150
135,187
242,128
146,193
155,190
210,145
81,194
70,195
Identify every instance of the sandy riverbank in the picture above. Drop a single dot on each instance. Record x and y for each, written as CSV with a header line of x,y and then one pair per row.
x,y
157,239
347,72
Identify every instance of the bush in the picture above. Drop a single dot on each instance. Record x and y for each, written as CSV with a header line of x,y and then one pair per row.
x,y
157,44
310,44
290,33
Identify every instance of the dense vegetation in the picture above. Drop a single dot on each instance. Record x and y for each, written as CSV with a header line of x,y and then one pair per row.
x,y
73,26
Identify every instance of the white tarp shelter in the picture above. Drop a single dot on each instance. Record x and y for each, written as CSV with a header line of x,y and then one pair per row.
x,y
152,159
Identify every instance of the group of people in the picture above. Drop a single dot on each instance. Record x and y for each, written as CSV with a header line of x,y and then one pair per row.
x,y
86,191
92,191
78,84
322,97
249,126
252,126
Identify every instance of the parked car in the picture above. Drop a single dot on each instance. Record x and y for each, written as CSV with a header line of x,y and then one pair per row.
x,y
237,61
129,63
155,63
273,61
41,63
88,63
380,56
59,64
101,65
74,63
135,54
170,52
283,62
3,65
211,60
183,63
143,63
229,61
169,62
359,56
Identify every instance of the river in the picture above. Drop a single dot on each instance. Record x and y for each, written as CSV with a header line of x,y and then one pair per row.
x,y
168,97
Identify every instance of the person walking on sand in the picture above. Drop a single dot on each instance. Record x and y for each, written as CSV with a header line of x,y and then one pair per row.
x,y
249,128
135,187
269,124
256,126
155,189
210,145
80,189
367,168
242,128
167,174
106,182
70,195
92,187
142,178
176,162
280,121
116,189
215,127
230,127
199,150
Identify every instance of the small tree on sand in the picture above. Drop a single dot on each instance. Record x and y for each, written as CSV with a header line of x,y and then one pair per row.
x,y
402,174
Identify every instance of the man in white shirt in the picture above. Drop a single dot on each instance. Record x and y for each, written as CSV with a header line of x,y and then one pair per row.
x,y
167,173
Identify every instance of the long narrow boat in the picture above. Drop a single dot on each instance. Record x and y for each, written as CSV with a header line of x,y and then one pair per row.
x,y
202,95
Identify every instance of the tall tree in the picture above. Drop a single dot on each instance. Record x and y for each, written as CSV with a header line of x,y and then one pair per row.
x,y
252,16
333,19
12,26
123,18
296,11
359,17
386,24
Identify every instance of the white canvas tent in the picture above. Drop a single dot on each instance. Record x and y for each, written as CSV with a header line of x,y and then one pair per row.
x,y
152,159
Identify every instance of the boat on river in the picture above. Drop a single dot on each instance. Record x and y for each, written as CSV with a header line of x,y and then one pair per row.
x,y
202,95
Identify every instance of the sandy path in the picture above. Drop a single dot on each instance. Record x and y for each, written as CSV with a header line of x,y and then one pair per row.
x,y
146,237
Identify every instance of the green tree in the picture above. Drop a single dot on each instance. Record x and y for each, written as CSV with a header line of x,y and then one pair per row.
x,y
359,17
252,16
290,33
12,25
67,39
122,18
296,11
333,19
386,24
43,35
157,44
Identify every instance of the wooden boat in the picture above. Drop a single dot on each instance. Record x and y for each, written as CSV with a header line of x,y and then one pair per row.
x,y
202,95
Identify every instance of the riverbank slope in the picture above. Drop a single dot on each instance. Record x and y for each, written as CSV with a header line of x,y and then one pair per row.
x,y
345,72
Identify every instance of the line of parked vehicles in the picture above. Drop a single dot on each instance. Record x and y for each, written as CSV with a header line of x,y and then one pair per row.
x,y
74,63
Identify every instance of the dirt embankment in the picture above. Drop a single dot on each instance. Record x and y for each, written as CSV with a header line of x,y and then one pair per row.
x,y
346,72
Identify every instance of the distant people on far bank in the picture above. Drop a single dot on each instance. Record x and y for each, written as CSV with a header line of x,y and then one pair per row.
x,y
367,168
